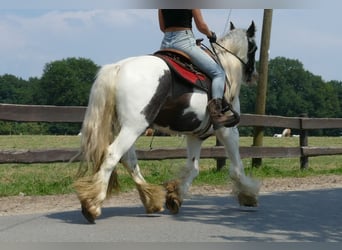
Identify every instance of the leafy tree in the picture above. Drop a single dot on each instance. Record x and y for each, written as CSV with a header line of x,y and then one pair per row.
x,y
292,90
15,90
67,82
337,89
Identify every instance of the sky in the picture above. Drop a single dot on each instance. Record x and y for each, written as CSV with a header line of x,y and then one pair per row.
x,y
36,34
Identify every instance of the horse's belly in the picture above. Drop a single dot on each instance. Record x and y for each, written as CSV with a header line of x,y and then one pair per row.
x,y
186,113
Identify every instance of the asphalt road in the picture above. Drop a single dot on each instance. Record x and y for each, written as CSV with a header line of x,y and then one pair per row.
x,y
314,215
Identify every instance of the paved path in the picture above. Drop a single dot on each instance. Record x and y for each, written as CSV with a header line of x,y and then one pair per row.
x,y
314,215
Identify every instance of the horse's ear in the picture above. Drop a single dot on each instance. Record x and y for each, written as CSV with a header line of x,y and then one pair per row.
x,y
232,27
251,30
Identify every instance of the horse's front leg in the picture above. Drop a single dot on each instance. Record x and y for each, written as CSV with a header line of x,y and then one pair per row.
x,y
245,188
179,187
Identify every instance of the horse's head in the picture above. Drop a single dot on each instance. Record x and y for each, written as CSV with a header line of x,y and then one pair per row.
x,y
240,43
236,53
250,69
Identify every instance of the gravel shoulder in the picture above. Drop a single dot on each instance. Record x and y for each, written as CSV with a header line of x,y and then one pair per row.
x,y
15,205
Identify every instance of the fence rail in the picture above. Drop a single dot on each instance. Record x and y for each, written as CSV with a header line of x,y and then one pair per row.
x,y
75,114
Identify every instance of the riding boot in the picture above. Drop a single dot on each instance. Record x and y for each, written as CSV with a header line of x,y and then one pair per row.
x,y
220,119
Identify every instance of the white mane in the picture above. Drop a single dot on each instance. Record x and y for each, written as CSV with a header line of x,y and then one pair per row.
x,y
236,42
234,50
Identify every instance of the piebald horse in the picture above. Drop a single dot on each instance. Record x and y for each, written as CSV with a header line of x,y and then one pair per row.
x,y
138,92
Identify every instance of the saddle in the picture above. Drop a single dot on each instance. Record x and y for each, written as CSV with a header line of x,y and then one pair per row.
x,y
183,70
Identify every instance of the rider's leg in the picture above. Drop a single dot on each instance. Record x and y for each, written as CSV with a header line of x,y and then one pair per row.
x,y
185,41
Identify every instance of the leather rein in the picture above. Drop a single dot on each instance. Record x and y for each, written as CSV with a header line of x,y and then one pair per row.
x,y
247,65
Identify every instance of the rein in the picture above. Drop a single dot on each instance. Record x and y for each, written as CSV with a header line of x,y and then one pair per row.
x,y
214,53
227,50
247,65
216,57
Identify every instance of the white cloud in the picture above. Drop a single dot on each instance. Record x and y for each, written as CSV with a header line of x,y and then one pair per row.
x,y
32,38
51,35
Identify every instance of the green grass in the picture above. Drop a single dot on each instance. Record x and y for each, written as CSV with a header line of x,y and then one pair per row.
x,y
57,178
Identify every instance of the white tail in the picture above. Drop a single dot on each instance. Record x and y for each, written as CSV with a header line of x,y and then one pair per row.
x,y
100,124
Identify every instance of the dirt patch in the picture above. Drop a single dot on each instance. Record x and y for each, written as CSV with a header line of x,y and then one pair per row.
x,y
57,203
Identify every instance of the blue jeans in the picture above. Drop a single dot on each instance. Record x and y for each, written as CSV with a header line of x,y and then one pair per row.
x,y
186,42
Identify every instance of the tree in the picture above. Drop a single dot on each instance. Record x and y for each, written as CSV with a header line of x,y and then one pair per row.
x,y
67,82
15,90
337,89
292,90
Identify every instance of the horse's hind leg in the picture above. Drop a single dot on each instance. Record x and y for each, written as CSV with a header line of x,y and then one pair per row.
x,y
152,196
93,191
178,188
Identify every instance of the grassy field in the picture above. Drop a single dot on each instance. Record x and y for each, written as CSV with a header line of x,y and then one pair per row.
x,y
56,178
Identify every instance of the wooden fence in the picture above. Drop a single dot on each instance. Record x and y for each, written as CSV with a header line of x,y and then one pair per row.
x,y
75,114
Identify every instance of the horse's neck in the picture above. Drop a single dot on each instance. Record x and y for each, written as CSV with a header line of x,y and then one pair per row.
x,y
235,43
233,69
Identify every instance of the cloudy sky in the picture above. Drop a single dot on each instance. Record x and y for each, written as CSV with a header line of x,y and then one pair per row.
x,y
33,35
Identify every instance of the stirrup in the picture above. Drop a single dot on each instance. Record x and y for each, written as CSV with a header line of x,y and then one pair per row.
x,y
235,121
229,107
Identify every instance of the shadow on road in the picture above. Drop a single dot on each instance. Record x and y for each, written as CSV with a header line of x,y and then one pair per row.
x,y
76,217
299,216
295,216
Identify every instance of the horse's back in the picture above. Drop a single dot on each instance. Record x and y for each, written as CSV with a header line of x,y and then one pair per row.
x,y
142,85
146,92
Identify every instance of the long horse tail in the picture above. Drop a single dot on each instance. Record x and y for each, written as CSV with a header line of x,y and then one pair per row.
x,y
100,124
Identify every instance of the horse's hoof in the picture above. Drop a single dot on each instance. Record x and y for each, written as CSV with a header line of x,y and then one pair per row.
x,y
173,205
90,218
247,200
173,201
154,210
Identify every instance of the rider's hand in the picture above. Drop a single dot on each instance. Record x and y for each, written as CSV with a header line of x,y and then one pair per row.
x,y
212,38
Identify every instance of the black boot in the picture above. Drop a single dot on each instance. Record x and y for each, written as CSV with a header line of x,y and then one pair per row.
x,y
218,118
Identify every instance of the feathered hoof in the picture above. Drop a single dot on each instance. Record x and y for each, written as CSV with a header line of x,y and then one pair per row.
x,y
152,196
90,217
173,199
173,205
247,200
154,209
90,212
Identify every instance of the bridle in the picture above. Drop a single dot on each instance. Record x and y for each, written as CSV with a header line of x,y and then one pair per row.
x,y
248,66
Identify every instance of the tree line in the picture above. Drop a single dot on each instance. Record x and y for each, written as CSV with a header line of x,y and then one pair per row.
x,y
292,91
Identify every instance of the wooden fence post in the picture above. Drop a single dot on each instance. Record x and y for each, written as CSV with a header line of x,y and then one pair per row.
x,y
303,142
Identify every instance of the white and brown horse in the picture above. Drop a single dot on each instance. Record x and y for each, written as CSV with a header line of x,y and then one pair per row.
x,y
136,93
